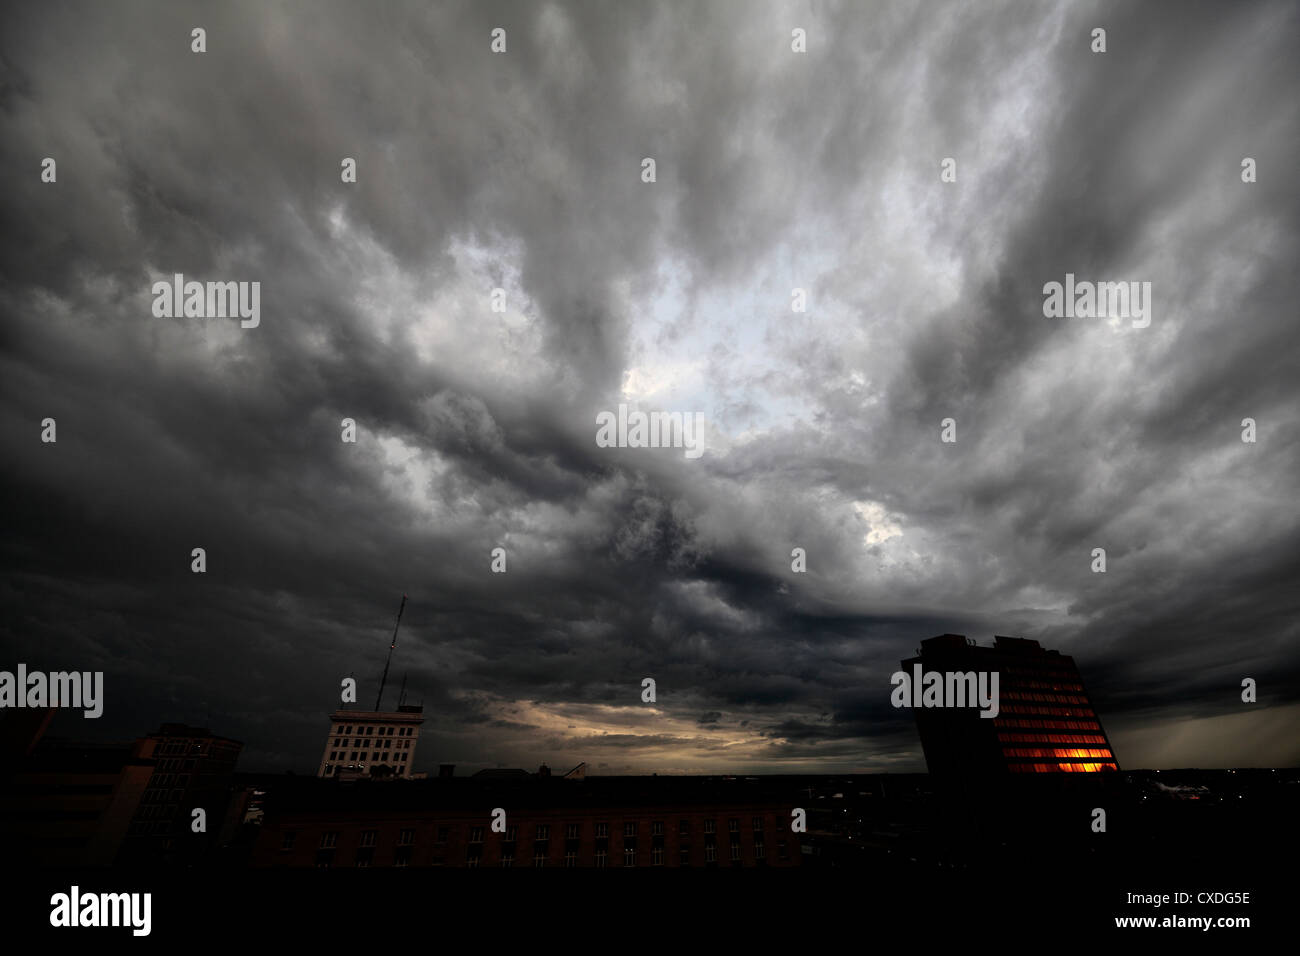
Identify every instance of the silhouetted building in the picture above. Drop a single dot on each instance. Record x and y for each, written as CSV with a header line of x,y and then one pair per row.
x,y
71,803
549,822
374,742
21,729
502,773
1045,722
193,770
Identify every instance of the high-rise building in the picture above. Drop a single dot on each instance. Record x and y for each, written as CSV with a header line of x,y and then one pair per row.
x,y
377,743
70,803
1045,722
192,769
372,742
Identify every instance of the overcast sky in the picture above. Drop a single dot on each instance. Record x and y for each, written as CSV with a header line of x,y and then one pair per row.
x,y
775,170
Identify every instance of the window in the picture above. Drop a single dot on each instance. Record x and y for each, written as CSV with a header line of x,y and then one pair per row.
x,y
657,828
349,730
758,824
733,825
684,856
512,834
602,830
710,853
507,858
406,838
601,857
365,855
543,831
629,829
475,834
571,831
329,839
780,850
657,856
735,851
402,856
334,755
570,857
369,837
324,858
684,827
760,851
710,826
629,856
287,841
443,833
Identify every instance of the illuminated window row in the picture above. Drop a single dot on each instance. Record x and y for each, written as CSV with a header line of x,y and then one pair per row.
x,y
1044,698
1053,752
1046,685
1048,711
1051,738
1041,724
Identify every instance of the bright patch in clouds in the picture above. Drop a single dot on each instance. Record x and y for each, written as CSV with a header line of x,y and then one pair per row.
x,y
879,526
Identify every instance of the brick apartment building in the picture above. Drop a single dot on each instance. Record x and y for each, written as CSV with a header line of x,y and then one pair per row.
x,y
549,822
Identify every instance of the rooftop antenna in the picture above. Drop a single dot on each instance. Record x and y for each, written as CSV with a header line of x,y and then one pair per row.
x,y
401,698
391,647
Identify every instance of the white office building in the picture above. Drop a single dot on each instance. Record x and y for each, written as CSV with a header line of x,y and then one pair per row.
x,y
361,740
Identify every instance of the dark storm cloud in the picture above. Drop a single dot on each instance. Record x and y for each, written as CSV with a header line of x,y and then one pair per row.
x,y
774,171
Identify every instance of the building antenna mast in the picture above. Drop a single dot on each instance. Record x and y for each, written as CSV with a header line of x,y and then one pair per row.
x,y
391,647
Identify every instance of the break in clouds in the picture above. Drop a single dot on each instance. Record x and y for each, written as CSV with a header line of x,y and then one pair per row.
x,y
774,171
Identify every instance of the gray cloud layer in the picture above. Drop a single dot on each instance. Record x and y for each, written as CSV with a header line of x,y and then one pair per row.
x,y
775,170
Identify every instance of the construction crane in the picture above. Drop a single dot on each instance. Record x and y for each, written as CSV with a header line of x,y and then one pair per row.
x,y
391,647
